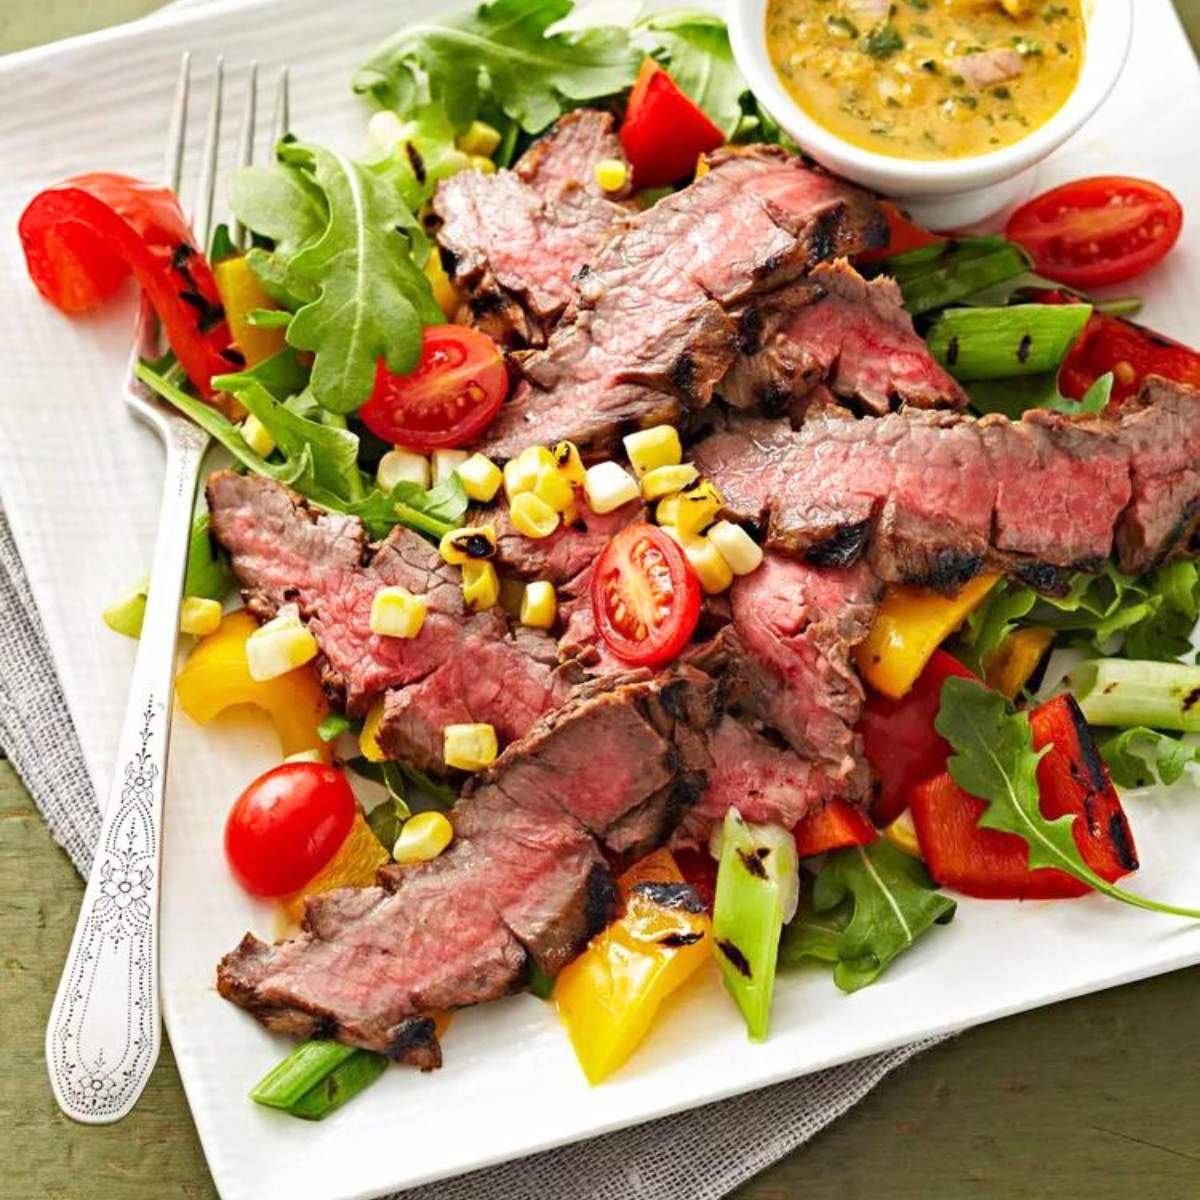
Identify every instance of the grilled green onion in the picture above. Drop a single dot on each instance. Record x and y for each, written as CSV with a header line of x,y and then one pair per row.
x,y
1001,343
343,1083
1124,693
301,1071
935,276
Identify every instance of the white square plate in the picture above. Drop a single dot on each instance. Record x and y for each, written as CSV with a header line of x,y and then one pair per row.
x,y
80,481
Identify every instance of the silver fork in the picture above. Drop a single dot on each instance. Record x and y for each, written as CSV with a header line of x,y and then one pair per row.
x,y
104,1032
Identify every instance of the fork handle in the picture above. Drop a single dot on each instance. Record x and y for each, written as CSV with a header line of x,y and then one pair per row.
x,y
104,1032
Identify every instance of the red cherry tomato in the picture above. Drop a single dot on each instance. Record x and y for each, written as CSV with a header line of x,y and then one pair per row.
x,y
664,132
1098,231
286,826
449,400
85,236
645,596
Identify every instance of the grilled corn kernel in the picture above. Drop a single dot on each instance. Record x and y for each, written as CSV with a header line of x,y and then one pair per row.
x,y
655,447
737,547
482,163
480,138
521,473
279,646
368,743
313,756
570,465
423,837
902,833
611,174
255,435
532,517
570,514
402,466
539,605
707,561
446,463
607,486
554,488
471,542
662,481
199,615
667,510
396,612
702,167
698,507
480,585
481,478
469,747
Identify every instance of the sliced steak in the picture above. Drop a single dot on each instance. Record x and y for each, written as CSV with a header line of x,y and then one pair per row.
x,y
835,328
284,551
654,328
934,498
523,878
513,240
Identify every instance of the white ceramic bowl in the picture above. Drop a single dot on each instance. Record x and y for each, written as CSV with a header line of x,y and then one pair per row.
x,y
956,192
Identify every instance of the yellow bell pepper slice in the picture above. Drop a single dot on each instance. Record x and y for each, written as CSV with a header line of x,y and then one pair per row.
x,y
448,297
368,742
910,625
354,865
216,677
1009,667
608,996
241,294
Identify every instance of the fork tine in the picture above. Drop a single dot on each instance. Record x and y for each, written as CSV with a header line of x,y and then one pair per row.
x,y
246,143
208,174
177,129
282,118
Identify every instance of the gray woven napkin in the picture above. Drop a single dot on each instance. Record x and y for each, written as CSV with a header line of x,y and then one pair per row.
x,y
697,1155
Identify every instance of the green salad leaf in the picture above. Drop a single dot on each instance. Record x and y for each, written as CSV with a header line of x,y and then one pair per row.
x,y
694,46
994,760
869,904
501,54
1140,757
1012,397
414,155
372,299
334,725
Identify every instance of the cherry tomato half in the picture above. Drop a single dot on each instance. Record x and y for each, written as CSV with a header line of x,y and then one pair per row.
x,y
645,596
449,400
1098,231
286,826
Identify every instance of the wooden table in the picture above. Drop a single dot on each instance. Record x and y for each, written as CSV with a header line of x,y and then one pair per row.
x,y
1098,1098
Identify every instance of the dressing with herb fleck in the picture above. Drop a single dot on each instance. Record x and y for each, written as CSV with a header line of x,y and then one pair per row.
x,y
928,79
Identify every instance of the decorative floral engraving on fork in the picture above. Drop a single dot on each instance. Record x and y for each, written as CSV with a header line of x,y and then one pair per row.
x,y
100,1070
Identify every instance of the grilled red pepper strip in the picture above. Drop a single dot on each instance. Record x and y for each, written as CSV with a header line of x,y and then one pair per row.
x,y
992,865
664,132
899,739
83,237
904,234
836,825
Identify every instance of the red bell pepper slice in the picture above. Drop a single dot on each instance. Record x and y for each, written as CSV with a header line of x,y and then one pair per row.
x,y
833,827
899,739
84,236
664,132
699,868
992,865
904,234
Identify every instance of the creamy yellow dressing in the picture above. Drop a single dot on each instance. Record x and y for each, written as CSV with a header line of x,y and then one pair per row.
x,y
928,79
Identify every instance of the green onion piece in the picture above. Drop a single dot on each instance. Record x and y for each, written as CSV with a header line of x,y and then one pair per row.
x,y
301,1071
1121,306
1123,693
343,1083
757,885
1001,343
935,276
422,522
126,614
540,984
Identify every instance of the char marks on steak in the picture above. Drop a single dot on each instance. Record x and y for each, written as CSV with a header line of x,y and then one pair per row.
x,y
465,663
835,328
655,324
513,240
934,498
523,879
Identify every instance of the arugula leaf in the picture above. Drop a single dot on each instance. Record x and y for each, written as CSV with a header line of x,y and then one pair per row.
x,y
1165,633
282,374
1140,757
694,46
1012,397
280,202
373,298
869,904
994,760
500,53
990,624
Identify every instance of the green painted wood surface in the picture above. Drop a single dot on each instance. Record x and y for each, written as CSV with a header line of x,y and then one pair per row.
x,y
1098,1098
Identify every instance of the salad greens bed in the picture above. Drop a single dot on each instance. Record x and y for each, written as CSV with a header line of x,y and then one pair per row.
x,y
340,247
